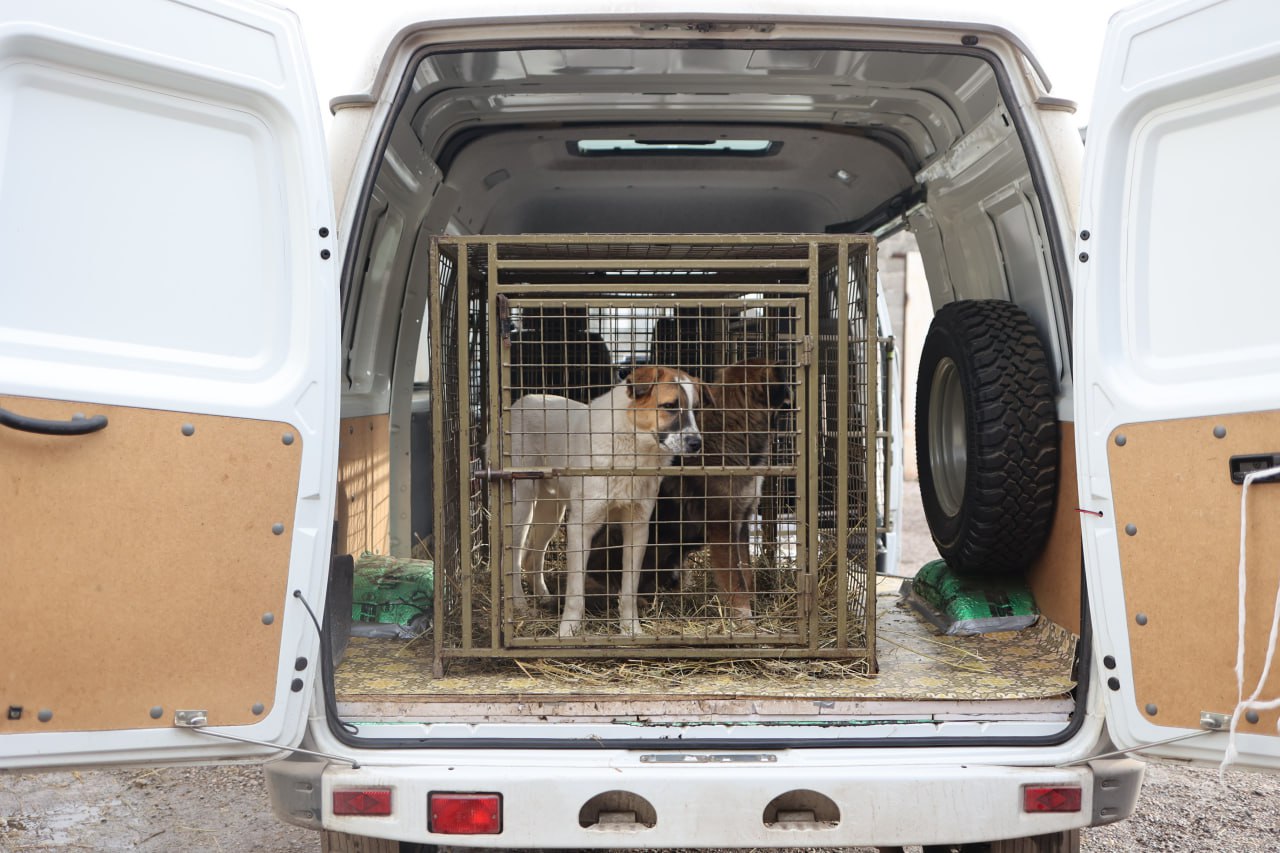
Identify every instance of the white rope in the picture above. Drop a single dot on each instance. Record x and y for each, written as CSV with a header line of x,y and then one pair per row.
x,y
1252,703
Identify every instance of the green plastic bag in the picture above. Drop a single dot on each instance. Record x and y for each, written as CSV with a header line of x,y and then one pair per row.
x,y
960,605
392,594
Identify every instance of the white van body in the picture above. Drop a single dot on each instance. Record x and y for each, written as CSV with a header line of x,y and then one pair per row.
x,y
186,260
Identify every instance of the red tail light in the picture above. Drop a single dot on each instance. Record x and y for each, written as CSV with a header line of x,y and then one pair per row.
x,y
465,814
1050,799
371,802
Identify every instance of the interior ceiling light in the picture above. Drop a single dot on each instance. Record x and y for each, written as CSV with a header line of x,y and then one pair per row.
x,y
747,147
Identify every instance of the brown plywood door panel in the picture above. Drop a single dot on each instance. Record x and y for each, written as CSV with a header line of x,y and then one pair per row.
x,y
1178,526
141,564
1055,576
364,485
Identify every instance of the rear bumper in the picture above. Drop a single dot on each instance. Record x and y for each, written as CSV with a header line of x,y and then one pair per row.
x,y
546,797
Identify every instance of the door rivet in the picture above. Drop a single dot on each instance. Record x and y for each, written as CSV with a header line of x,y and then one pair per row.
x,y
1131,529
1121,441
1219,432
45,715
157,712
287,438
1251,716
268,618
1084,256
1151,709
277,528
258,708
188,429
1141,619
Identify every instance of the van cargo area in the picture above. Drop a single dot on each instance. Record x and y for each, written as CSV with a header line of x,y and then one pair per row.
x,y
555,216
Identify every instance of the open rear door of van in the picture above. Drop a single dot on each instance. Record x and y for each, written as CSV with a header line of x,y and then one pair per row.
x,y
168,380
1178,377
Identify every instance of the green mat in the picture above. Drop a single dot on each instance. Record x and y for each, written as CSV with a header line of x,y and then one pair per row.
x,y
395,595
961,605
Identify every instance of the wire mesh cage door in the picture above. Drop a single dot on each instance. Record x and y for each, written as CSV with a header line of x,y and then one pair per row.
x,y
586,444
770,346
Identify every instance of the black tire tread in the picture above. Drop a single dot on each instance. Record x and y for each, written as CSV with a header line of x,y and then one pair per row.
x,y
1011,422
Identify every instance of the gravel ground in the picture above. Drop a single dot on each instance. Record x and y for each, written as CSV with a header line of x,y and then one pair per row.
x,y
225,810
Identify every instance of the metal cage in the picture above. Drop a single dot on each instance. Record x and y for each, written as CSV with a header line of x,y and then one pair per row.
x,y
760,542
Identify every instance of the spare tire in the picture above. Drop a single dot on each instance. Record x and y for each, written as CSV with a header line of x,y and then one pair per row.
x,y
986,437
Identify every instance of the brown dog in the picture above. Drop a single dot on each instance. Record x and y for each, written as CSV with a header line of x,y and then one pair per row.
x,y
736,432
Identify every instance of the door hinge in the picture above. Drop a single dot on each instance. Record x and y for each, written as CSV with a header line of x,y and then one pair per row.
x,y
504,320
806,350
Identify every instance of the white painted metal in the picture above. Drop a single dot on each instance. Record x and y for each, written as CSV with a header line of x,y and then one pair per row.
x,y
885,804
1167,326
164,186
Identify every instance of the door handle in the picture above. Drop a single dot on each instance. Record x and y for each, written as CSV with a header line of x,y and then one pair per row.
x,y
1240,466
78,425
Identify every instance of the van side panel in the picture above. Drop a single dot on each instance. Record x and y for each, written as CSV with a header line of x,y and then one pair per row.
x,y
363,511
1055,575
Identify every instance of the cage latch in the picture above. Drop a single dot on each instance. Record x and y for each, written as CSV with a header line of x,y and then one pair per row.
x,y
491,475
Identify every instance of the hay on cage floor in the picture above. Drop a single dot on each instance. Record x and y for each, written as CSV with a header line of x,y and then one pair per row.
x,y
694,612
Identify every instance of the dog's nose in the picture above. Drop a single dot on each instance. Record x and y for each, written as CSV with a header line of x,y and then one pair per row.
x,y
694,443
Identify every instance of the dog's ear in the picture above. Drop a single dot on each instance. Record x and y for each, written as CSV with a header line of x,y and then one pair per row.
x,y
640,381
731,374
706,399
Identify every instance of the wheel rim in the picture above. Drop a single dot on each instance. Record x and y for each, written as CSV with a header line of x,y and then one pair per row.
x,y
947,437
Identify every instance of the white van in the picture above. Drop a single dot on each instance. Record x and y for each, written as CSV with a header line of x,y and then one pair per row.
x,y
214,361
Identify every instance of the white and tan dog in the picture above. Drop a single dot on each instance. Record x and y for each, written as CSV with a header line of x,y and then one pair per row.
x,y
643,422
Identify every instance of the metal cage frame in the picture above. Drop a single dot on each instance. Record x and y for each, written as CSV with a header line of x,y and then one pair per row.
x,y
828,281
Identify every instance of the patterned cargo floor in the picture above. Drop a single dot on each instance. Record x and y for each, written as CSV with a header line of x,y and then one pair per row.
x,y
916,662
